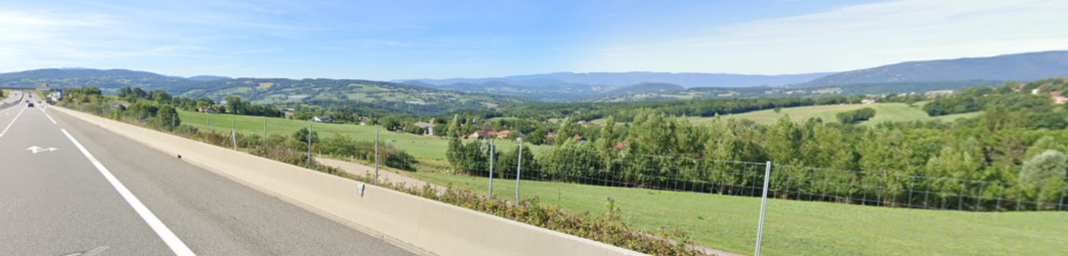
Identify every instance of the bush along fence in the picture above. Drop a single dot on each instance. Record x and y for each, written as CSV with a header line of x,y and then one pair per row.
x,y
573,162
582,164
607,228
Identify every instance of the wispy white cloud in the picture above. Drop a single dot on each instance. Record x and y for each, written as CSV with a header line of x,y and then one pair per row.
x,y
858,36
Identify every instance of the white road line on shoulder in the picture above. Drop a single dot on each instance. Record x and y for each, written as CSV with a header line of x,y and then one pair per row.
x,y
11,123
176,245
49,117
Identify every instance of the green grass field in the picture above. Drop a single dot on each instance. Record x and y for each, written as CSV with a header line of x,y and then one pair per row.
x,y
729,223
884,112
423,147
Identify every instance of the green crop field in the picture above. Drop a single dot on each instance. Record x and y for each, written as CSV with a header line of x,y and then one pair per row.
x,y
729,223
424,147
884,112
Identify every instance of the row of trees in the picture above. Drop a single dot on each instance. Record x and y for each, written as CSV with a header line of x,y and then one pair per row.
x,y
1009,158
854,116
165,117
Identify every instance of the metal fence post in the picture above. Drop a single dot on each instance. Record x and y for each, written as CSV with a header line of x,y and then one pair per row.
x,y
309,144
376,158
763,206
518,171
491,170
233,132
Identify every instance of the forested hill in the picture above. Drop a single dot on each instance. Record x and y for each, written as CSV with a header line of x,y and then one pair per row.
x,y
409,98
77,77
401,97
621,79
1014,67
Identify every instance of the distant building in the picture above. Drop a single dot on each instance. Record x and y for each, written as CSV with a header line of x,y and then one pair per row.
x,y
208,110
551,135
1036,91
503,134
1060,100
364,121
482,134
939,93
322,119
428,128
867,101
289,114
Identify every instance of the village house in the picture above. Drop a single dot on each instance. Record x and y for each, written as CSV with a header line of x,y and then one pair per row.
x,y
482,134
322,119
428,128
289,114
939,93
206,110
867,101
503,134
1058,98
364,121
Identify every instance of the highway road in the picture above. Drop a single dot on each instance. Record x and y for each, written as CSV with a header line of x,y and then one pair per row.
x,y
13,98
70,188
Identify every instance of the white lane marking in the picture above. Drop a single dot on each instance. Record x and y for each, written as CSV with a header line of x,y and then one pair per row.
x,y
49,117
176,245
35,149
11,123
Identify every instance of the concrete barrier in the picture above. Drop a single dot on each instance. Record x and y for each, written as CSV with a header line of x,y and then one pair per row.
x,y
421,225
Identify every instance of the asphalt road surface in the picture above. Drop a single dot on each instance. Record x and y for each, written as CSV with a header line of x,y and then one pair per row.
x,y
13,98
70,188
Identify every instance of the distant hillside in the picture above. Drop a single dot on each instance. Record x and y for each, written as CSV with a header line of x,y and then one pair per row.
x,y
646,87
1014,67
548,92
55,73
207,78
105,79
687,80
402,97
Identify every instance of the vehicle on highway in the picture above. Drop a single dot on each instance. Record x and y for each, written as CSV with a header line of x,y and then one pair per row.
x,y
29,105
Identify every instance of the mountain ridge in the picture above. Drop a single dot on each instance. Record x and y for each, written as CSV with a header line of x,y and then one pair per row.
x,y
1008,67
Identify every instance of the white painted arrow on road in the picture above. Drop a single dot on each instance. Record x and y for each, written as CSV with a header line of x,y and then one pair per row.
x,y
36,149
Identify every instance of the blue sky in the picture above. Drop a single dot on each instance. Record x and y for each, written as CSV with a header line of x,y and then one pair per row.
x,y
445,39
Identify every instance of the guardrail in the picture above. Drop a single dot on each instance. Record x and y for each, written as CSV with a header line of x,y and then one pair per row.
x,y
421,225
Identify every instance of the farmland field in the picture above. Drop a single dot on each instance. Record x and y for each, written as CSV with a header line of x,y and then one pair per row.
x,y
425,147
884,112
729,223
